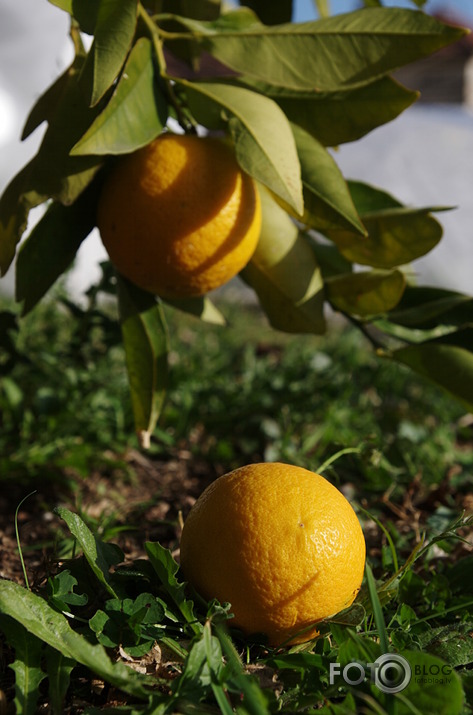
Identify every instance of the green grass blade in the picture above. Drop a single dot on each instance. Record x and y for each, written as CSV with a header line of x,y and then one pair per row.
x,y
377,610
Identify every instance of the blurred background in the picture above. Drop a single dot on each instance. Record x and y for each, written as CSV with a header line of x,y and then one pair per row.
x,y
424,157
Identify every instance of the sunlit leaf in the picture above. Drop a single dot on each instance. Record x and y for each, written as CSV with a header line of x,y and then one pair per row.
x,y
365,293
331,53
327,200
113,34
136,112
100,556
285,275
146,347
269,156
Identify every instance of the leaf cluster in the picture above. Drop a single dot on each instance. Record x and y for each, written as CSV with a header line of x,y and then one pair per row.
x,y
133,626
210,69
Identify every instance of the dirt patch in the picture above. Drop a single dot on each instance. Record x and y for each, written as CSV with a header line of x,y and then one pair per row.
x,y
142,502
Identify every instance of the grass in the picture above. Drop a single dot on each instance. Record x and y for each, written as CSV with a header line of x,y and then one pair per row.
x,y
396,445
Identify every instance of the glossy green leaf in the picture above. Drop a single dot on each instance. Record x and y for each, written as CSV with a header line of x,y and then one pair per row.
x,y
146,348
26,666
51,247
327,200
447,361
113,35
366,293
269,156
285,275
345,116
100,556
136,112
45,623
424,308
329,54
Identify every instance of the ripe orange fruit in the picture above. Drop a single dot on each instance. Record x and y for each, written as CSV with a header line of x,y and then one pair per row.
x,y
179,217
278,542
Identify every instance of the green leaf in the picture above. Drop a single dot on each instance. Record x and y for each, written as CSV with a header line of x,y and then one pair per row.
x,y
100,556
442,361
201,307
26,666
51,247
52,627
146,348
269,156
84,11
285,275
366,293
197,9
327,200
441,693
396,236
425,307
453,643
330,259
15,204
61,591
166,568
329,54
136,112
113,35
59,669
344,116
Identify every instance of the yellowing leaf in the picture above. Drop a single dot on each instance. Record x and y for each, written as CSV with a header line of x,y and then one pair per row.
x,y
366,293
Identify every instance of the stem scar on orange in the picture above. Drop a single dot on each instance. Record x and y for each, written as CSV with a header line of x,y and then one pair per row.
x,y
280,543
179,217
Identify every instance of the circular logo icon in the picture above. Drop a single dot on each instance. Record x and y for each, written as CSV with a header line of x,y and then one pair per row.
x,y
392,673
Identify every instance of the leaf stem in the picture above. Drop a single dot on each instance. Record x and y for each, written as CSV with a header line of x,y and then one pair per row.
x,y
156,35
